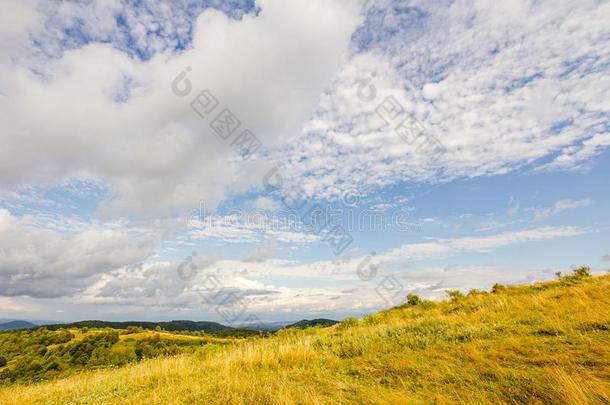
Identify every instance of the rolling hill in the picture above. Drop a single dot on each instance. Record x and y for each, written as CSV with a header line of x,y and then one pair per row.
x,y
191,326
542,343
306,323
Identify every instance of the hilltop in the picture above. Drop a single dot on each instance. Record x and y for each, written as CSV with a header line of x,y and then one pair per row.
x,y
542,343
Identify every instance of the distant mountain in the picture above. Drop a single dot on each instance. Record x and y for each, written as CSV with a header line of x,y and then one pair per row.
x,y
306,323
14,325
36,322
191,326
196,326
266,326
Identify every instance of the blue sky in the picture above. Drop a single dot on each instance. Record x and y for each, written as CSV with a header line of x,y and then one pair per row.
x,y
440,145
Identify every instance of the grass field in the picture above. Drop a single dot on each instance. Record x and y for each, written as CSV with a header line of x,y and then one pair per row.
x,y
544,343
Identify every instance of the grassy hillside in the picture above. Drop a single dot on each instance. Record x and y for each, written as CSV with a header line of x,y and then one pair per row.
x,y
546,343
41,354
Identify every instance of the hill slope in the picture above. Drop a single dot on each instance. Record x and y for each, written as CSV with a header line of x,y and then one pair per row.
x,y
547,343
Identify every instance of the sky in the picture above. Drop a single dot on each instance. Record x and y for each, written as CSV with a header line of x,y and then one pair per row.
x,y
257,161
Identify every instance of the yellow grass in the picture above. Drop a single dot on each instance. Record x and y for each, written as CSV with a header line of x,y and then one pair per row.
x,y
548,343
173,336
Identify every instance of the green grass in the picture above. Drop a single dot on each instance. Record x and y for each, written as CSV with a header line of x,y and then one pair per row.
x,y
545,343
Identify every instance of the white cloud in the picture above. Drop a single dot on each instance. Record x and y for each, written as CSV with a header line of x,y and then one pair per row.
x,y
263,204
161,286
433,282
333,285
43,263
15,25
578,157
500,86
446,248
540,214
9,305
241,226
263,251
150,148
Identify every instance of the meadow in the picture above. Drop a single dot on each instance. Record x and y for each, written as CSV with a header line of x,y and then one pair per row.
x,y
542,343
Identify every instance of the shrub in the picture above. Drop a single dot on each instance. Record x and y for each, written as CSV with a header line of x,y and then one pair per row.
x,y
131,330
348,322
2,361
53,365
413,300
455,295
582,271
371,320
497,288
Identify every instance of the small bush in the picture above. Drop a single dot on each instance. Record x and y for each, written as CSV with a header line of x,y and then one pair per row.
x,y
578,274
131,330
348,323
371,320
582,271
497,288
455,295
413,300
427,304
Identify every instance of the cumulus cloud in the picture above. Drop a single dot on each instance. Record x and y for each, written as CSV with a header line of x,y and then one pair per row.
x,y
15,26
209,285
43,263
139,29
333,285
96,112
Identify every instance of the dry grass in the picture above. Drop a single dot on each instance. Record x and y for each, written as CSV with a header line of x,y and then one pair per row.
x,y
547,343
